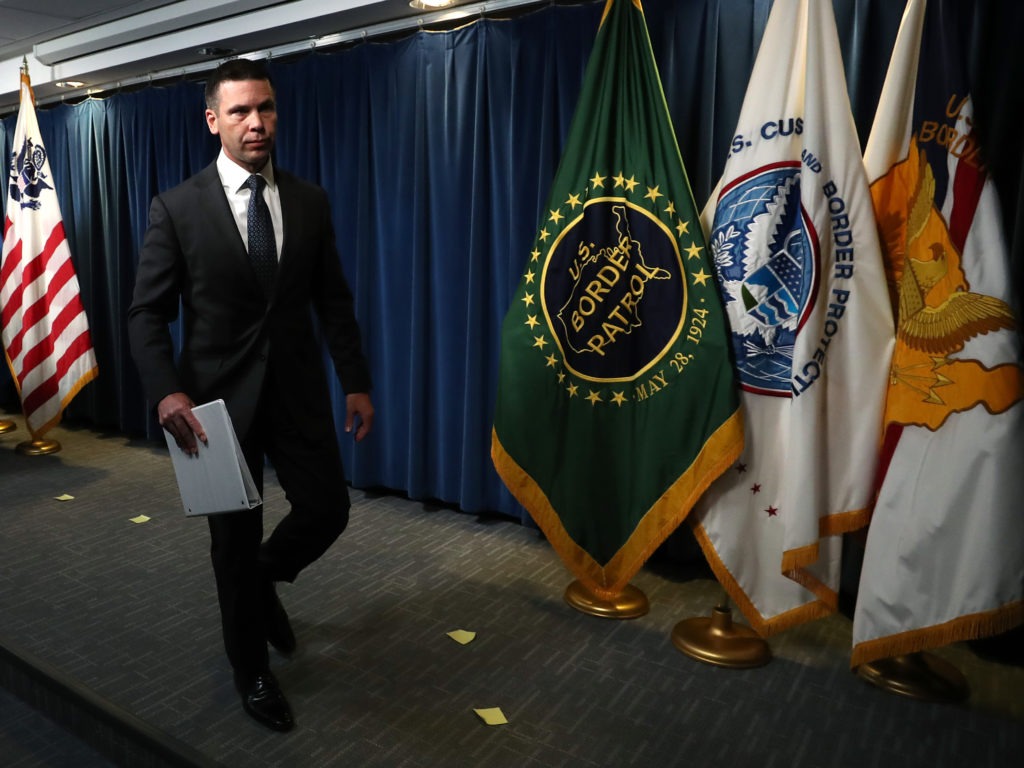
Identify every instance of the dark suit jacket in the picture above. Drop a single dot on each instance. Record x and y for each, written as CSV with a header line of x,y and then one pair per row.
x,y
234,336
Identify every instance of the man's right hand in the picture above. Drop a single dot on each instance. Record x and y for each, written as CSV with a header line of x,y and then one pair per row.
x,y
175,415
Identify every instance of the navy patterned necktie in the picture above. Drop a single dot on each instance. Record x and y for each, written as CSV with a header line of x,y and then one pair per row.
x,y
262,246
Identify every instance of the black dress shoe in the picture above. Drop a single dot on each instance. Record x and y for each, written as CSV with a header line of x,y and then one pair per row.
x,y
263,701
278,628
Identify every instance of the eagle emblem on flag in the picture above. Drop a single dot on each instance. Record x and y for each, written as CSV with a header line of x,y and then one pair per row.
x,y
938,313
28,175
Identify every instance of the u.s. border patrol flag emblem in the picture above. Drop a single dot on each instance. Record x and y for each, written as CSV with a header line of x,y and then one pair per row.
x,y
616,401
793,241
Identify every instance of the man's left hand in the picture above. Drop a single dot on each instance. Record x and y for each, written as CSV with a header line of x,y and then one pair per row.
x,y
359,405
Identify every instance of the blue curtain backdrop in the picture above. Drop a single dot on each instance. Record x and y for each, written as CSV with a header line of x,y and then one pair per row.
x,y
437,150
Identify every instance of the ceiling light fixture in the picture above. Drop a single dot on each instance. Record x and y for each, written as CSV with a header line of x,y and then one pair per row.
x,y
431,5
69,83
215,52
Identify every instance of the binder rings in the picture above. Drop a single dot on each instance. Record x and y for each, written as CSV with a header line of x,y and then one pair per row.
x,y
217,479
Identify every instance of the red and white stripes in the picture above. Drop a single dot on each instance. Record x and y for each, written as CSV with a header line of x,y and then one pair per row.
x,y
44,326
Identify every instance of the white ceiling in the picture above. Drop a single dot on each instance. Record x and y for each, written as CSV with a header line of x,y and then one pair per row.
x,y
111,43
26,22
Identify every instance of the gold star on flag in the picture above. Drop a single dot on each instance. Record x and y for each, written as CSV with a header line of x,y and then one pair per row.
x,y
573,201
552,361
683,228
594,398
561,376
700,278
532,321
653,194
529,276
555,216
527,299
572,389
534,254
631,183
620,180
539,342
671,210
619,398
597,181
694,250
544,235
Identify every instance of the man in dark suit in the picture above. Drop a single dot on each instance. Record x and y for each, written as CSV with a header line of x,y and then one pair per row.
x,y
248,250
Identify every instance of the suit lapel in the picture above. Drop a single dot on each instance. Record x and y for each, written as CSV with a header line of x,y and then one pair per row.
x,y
291,214
219,222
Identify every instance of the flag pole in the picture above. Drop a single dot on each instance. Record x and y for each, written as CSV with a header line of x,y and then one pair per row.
x,y
717,640
46,382
35,446
630,603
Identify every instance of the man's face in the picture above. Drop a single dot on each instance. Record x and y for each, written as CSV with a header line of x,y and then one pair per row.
x,y
246,121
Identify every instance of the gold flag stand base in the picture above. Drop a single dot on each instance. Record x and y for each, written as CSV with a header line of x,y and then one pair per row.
x,y
6,425
630,603
37,447
917,675
716,640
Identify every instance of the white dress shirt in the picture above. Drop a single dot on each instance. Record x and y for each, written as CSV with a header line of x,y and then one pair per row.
x,y
233,178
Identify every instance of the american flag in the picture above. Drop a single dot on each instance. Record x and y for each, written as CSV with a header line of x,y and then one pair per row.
x,y
45,331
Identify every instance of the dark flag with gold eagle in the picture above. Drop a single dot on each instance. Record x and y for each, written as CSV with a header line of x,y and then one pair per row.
x,y
616,403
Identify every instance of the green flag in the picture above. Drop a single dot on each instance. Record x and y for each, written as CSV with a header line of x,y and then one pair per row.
x,y
616,405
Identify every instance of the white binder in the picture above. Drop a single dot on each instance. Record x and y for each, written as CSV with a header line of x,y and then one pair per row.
x,y
217,479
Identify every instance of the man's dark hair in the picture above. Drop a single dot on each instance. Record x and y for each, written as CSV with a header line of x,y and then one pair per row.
x,y
234,69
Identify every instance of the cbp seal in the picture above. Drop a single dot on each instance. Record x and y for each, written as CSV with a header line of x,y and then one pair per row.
x,y
768,293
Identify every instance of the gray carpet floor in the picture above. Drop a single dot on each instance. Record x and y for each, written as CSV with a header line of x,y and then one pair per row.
x,y
128,609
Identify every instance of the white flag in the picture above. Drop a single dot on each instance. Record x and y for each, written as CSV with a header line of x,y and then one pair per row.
x,y
944,559
45,331
799,268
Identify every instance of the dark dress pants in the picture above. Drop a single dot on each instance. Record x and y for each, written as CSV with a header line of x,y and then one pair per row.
x,y
309,470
